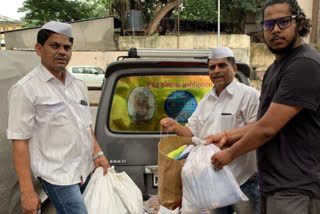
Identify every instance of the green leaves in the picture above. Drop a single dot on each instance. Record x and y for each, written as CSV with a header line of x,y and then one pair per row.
x,y
199,10
232,11
40,12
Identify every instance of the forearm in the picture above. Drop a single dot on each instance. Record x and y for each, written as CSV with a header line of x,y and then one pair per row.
x,y
182,130
276,117
96,147
21,158
253,139
235,134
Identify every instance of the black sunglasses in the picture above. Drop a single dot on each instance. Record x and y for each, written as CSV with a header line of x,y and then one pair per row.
x,y
283,22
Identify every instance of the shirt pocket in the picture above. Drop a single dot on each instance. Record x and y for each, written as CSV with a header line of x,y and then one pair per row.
x,y
85,115
54,112
227,122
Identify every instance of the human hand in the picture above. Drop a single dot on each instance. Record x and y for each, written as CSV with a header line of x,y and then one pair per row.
x,y
219,139
103,162
30,202
168,124
222,158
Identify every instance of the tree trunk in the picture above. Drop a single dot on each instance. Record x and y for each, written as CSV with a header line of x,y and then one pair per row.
x,y
152,28
121,9
158,8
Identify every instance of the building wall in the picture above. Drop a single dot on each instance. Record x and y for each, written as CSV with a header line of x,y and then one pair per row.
x,y
306,6
238,42
9,26
97,35
90,35
5,27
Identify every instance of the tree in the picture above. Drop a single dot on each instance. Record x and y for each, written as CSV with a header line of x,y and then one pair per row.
x,y
163,7
199,10
233,12
120,7
40,12
236,11
153,10
101,8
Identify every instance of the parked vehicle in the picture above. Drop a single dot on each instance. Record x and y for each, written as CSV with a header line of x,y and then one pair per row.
x,y
140,92
93,76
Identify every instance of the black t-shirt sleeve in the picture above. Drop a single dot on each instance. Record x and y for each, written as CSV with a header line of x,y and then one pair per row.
x,y
300,84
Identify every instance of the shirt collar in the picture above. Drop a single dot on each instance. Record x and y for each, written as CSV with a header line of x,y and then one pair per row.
x,y
45,75
229,89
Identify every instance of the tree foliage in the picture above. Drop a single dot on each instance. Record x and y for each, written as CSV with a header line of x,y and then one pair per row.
x,y
153,10
233,12
236,11
39,12
162,9
199,10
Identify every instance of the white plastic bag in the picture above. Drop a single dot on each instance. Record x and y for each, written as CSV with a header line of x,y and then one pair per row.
x,y
113,193
164,210
128,192
205,188
99,195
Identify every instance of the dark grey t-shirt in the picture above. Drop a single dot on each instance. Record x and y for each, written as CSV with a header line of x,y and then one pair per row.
x,y
291,159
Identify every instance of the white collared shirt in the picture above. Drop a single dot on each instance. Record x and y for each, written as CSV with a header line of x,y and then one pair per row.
x,y
236,106
49,113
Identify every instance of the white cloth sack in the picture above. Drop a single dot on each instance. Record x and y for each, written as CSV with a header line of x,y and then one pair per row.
x,y
128,192
205,188
164,210
113,193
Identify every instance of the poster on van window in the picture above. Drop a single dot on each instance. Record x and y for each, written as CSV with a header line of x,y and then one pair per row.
x,y
140,102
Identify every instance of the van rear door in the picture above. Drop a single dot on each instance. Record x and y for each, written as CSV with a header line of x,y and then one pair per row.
x,y
135,97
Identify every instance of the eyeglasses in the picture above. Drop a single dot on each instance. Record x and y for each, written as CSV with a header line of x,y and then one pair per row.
x,y
283,23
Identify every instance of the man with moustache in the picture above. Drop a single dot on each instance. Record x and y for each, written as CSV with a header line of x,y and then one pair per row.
x,y
50,126
228,105
286,134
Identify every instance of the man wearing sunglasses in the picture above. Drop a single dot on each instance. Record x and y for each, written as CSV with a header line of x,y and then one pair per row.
x,y
287,132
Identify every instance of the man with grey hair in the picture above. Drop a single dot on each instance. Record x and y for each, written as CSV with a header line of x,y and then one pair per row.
x,y
228,105
50,126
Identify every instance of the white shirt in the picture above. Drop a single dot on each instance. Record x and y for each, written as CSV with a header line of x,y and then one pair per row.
x,y
236,106
49,113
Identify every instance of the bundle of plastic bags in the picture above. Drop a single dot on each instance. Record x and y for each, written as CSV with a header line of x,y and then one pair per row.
x,y
205,188
113,193
181,153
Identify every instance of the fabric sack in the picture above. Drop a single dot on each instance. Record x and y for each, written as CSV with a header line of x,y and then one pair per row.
x,y
169,172
205,188
129,192
113,193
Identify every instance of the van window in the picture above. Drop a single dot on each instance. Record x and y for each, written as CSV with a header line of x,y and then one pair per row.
x,y
140,102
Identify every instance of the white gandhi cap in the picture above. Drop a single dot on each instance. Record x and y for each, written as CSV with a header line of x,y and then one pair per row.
x,y
59,27
220,52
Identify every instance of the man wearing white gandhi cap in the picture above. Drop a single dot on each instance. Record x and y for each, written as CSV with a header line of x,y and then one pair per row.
x,y
50,126
228,105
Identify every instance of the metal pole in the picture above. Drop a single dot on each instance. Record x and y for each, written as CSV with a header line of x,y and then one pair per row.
x,y
178,23
218,23
132,21
315,21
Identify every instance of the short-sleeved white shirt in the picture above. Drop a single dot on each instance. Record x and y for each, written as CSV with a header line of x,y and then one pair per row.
x,y
56,119
236,106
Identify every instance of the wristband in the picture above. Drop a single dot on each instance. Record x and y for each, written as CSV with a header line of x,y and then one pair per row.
x,y
98,154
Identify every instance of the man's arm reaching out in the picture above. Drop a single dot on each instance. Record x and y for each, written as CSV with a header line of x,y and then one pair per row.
x,y
276,117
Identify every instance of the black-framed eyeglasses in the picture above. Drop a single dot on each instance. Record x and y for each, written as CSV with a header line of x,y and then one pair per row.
x,y
283,23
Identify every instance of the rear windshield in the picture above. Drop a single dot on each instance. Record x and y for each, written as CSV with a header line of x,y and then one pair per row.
x,y
140,102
